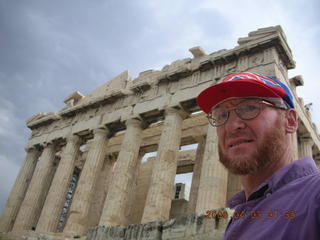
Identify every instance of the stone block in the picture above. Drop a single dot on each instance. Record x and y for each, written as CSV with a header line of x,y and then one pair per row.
x,y
149,231
107,233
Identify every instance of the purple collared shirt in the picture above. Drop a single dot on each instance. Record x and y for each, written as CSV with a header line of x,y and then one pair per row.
x,y
285,206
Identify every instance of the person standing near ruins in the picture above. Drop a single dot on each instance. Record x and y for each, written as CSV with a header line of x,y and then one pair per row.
x,y
255,119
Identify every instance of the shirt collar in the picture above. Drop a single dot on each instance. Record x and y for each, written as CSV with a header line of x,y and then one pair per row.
x,y
297,169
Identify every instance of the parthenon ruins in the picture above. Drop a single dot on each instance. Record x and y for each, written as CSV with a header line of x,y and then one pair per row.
x,y
83,167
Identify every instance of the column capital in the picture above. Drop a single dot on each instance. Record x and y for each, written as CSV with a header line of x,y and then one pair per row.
x,y
72,138
306,139
101,130
31,149
173,111
47,144
134,122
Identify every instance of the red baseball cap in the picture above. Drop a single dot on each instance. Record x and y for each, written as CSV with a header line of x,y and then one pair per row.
x,y
244,84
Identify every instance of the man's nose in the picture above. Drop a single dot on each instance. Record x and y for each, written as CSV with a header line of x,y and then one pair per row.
x,y
234,121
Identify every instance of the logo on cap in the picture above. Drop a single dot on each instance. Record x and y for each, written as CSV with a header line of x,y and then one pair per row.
x,y
253,76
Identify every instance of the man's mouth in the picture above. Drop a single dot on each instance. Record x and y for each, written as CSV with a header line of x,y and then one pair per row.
x,y
240,142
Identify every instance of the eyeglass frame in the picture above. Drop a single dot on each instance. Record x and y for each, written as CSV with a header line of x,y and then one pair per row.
x,y
276,103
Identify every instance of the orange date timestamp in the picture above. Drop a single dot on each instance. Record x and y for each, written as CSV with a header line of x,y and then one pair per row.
x,y
213,214
254,214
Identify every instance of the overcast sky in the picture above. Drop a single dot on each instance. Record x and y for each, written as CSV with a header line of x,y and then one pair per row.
x,y
49,49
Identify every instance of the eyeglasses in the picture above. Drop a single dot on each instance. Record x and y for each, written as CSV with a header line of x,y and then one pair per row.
x,y
246,110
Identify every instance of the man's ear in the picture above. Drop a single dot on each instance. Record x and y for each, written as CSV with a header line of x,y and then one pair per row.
x,y
291,119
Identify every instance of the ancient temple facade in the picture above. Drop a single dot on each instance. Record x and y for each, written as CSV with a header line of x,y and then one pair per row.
x,y
83,167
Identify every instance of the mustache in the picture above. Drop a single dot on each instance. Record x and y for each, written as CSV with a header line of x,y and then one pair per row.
x,y
239,134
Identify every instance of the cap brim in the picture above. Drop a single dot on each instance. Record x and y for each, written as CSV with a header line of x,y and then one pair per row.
x,y
231,89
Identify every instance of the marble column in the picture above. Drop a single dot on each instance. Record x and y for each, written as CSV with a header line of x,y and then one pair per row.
x,y
294,137
212,190
317,163
18,191
158,203
295,148
116,204
305,147
80,206
234,185
141,190
133,192
101,191
32,204
196,176
57,193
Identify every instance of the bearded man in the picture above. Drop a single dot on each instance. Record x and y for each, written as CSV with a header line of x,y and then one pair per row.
x,y
255,117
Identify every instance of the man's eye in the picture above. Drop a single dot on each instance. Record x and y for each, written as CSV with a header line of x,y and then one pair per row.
x,y
248,108
222,115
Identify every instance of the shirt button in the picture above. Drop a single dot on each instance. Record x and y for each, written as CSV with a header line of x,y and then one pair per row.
x,y
268,194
